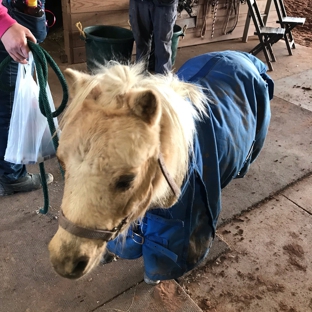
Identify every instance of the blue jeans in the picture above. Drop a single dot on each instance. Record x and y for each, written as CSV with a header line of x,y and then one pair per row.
x,y
150,20
10,172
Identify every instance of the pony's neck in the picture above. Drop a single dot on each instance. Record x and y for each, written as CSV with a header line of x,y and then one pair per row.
x,y
176,139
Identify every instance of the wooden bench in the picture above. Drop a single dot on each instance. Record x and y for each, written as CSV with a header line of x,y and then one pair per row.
x,y
288,23
267,35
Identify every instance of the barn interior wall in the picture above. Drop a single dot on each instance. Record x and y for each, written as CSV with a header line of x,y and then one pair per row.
x,y
220,25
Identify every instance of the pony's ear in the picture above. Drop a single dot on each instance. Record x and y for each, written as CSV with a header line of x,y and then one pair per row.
x,y
76,80
146,105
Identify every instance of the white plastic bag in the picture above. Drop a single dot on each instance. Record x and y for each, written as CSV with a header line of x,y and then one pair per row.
x,y
47,149
29,138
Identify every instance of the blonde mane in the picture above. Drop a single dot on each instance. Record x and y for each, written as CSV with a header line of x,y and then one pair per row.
x,y
182,104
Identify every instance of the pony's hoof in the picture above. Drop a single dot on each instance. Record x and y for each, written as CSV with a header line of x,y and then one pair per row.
x,y
150,281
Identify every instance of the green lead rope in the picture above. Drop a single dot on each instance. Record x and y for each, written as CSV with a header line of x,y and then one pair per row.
x,y
42,59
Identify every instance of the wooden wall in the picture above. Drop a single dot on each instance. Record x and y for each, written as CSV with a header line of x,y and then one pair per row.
x,y
115,13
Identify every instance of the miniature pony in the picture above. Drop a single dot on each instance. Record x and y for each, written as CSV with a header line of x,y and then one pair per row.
x,y
147,156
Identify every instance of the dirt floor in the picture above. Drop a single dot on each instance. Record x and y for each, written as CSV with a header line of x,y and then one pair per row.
x,y
301,8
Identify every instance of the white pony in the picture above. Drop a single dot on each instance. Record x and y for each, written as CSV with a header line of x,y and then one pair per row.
x,y
132,142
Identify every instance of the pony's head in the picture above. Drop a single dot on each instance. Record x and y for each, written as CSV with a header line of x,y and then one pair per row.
x,y
118,125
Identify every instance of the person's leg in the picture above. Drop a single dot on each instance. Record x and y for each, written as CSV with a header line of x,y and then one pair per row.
x,y
163,21
142,28
8,171
151,60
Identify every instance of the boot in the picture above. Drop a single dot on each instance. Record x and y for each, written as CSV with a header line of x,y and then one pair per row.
x,y
28,183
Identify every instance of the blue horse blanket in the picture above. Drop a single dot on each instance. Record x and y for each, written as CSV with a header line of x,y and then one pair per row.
x,y
173,241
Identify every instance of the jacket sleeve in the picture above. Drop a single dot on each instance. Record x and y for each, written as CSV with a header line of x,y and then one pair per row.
x,y
6,21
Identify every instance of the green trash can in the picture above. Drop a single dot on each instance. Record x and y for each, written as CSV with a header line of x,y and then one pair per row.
x,y
104,43
177,33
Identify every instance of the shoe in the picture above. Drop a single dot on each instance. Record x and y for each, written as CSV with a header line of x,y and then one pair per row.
x,y
28,183
149,281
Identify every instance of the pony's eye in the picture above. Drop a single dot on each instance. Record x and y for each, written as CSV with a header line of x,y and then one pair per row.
x,y
124,182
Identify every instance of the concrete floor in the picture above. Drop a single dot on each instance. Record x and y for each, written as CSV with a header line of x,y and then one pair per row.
x,y
268,264
28,280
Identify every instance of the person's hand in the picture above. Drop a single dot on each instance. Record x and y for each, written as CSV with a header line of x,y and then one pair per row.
x,y
15,42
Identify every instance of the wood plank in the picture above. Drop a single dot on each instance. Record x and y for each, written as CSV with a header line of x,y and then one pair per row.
x,y
114,18
121,17
219,25
80,54
187,22
66,15
191,41
78,41
94,12
193,32
85,6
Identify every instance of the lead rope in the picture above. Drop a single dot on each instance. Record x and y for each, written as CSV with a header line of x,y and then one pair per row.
x,y
213,4
214,11
42,59
206,7
233,8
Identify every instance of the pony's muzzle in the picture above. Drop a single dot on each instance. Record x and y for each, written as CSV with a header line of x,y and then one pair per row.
x,y
71,256
72,269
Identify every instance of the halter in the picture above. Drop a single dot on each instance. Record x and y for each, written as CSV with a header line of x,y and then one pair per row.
x,y
173,185
107,235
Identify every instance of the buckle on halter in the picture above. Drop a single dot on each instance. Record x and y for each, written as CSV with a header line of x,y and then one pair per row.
x,y
138,239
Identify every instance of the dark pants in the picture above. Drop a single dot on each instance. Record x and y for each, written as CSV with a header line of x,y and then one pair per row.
x,y
149,20
8,171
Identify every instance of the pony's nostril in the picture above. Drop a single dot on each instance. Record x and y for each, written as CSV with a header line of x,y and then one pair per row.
x,y
80,266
